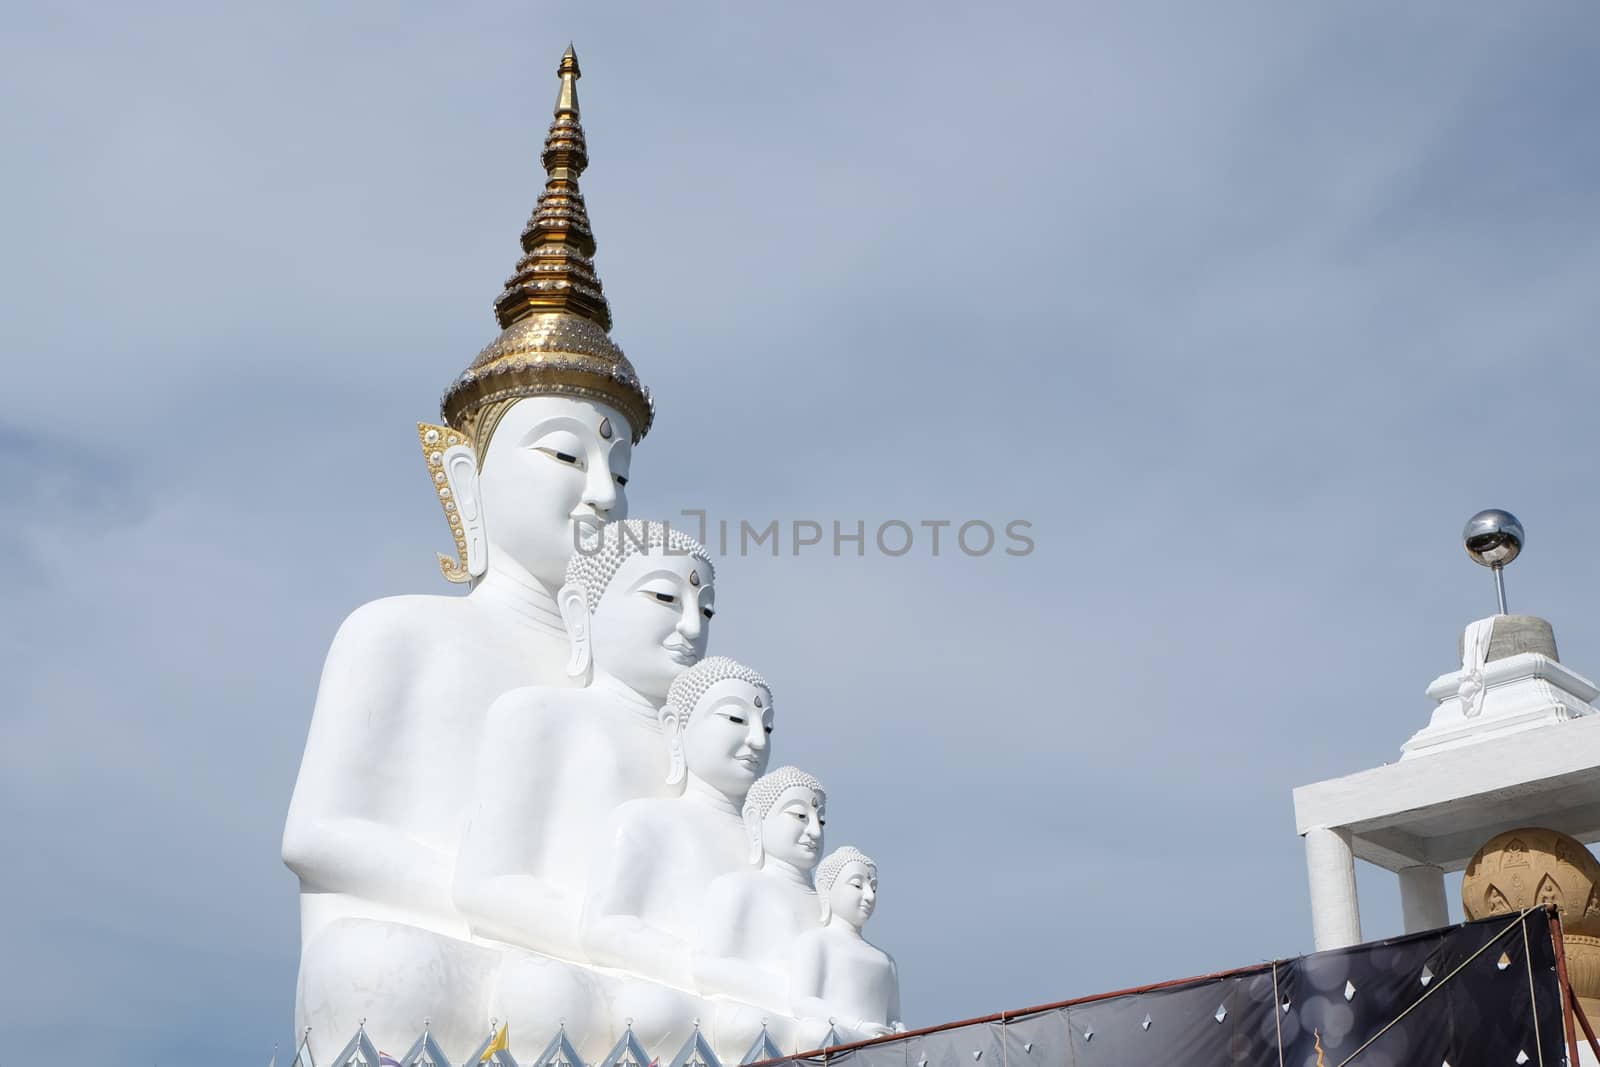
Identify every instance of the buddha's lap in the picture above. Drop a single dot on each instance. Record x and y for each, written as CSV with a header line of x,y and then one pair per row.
x,y
394,977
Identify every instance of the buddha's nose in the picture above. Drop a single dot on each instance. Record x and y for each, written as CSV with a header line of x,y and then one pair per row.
x,y
600,489
689,622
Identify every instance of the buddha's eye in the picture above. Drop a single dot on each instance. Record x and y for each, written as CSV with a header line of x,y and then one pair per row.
x,y
821,821
708,612
563,457
767,728
622,479
737,720
662,598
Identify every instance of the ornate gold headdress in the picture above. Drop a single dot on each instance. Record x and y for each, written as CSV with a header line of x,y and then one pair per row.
x,y
554,318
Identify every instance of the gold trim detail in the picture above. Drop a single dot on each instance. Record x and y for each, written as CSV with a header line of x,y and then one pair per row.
x,y
435,440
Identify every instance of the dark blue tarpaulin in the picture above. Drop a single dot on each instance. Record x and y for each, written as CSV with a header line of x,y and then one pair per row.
x,y
1484,992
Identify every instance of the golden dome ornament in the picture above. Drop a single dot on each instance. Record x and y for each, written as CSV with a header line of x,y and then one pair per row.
x,y
555,321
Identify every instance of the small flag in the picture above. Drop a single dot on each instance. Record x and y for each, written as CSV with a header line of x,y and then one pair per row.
x,y
501,1043
386,1060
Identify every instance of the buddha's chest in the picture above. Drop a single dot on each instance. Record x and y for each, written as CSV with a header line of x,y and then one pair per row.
x,y
446,694
855,970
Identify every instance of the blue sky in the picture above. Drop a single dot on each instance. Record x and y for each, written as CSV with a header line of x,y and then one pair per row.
x,y
1245,307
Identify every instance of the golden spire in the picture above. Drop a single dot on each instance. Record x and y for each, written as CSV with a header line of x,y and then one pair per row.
x,y
553,312
558,243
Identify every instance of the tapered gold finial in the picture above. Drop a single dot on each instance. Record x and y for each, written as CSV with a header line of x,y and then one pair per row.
x,y
567,100
553,313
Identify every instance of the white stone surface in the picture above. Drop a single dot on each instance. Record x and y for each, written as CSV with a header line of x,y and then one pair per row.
x,y
1520,692
1335,911
1423,905
1529,757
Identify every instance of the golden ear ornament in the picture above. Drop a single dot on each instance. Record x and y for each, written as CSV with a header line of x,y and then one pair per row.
x,y
435,441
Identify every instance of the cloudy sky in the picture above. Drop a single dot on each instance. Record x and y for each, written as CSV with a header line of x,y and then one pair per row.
x,y
1244,307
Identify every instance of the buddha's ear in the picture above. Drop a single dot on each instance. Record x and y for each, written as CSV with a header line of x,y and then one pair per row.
x,y
827,908
752,830
672,727
453,470
572,600
461,471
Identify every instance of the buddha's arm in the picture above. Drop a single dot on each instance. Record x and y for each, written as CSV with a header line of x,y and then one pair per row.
x,y
721,960
614,933
500,885
806,976
896,1022
335,837
808,988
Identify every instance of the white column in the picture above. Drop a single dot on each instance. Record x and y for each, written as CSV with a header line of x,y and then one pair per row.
x,y
1422,899
1335,914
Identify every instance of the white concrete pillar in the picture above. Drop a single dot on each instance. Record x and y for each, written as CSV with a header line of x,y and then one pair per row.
x,y
1335,913
1422,900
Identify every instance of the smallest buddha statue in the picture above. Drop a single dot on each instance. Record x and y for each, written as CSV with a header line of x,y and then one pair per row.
x,y
751,918
837,977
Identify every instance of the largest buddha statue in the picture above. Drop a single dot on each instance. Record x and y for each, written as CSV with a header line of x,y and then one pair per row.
x,y
533,454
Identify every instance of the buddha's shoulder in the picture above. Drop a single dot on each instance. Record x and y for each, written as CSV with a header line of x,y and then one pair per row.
x,y
647,815
540,708
737,883
402,620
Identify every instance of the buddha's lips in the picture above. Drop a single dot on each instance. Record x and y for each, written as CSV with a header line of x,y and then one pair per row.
x,y
681,652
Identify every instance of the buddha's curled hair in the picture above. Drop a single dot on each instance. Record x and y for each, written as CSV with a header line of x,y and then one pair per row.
x,y
836,861
764,794
593,568
688,687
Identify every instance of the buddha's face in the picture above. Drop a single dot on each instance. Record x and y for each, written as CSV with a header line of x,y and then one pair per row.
x,y
792,830
854,893
725,742
653,620
554,465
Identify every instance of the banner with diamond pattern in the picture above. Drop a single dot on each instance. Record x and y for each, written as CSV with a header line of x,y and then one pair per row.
x,y
1482,993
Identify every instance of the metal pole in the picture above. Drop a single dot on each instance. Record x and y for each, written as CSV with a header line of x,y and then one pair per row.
x,y
1500,585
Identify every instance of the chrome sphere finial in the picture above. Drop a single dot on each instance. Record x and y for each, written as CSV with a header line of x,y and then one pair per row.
x,y
1493,538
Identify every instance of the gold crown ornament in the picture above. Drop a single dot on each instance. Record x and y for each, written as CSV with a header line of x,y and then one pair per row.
x,y
553,314
436,442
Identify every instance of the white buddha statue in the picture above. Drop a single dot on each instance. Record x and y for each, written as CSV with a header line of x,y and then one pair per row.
x,y
535,451
837,977
750,918
658,857
638,612
556,763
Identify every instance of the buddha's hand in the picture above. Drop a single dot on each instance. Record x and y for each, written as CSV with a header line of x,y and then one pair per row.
x,y
873,1029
